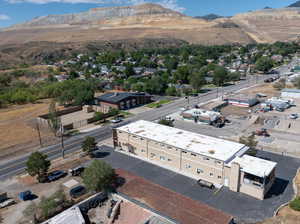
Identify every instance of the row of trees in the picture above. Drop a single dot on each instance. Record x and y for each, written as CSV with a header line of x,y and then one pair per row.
x,y
75,92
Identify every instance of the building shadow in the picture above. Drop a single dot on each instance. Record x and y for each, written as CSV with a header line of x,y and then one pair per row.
x,y
277,188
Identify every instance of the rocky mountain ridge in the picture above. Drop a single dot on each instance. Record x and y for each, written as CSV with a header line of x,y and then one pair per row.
x,y
154,21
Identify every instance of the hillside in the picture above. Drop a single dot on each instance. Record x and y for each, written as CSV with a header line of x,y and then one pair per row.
x,y
118,23
270,25
44,52
152,21
296,4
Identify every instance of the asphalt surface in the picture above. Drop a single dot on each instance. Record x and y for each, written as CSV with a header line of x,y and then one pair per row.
x,y
241,206
17,165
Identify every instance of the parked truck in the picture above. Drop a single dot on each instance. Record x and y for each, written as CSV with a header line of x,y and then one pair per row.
x,y
5,200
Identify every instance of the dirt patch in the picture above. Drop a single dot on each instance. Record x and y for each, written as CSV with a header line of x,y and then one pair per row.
x,y
18,133
230,110
169,203
264,88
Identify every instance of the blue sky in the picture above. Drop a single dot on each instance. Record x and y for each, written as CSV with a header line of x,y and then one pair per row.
x,y
17,11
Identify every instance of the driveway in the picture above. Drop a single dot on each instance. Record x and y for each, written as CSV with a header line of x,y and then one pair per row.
x,y
239,205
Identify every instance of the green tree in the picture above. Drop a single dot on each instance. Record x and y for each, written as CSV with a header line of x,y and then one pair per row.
x,y
197,80
235,76
38,165
250,142
129,70
264,64
88,145
171,91
166,122
53,119
98,176
220,76
295,204
99,116
182,74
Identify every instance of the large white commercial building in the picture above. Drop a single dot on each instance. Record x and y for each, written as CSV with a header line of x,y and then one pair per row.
x,y
218,161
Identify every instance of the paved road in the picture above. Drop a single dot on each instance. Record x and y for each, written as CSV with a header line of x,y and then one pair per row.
x,y
16,166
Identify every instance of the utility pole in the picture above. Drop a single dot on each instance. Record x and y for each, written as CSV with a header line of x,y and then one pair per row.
x,y
62,141
39,133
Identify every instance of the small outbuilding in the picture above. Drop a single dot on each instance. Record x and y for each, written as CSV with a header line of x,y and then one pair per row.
x,y
242,100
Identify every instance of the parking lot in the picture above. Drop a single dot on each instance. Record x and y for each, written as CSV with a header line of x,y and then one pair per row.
x,y
239,205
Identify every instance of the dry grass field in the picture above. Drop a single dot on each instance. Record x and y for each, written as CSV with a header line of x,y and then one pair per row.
x,y
18,132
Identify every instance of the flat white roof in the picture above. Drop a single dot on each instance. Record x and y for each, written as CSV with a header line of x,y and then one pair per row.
x,y
216,148
255,166
72,215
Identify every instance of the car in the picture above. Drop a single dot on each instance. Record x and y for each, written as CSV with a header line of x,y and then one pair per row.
x,y
204,183
76,171
261,95
25,195
279,109
269,80
117,120
293,116
55,175
77,191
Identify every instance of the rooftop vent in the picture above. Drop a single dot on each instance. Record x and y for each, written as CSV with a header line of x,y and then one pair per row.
x,y
211,151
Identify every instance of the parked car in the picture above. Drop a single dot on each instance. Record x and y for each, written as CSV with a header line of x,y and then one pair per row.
x,y
279,109
117,120
5,201
293,116
204,183
262,132
76,171
77,191
269,80
55,175
25,195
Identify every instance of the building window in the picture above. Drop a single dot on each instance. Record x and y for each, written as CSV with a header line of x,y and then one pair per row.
x,y
184,151
219,177
211,174
199,170
188,166
162,145
142,139
169,147
218,162
162,158
205,158
152,155
193,154
120,132
169,160
143,150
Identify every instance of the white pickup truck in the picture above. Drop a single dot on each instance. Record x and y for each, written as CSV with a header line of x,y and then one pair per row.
x,y
5,201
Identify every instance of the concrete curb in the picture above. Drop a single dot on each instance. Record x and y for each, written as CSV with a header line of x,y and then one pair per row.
x,y
295,195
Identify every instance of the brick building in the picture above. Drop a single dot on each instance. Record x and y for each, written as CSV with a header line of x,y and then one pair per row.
x,y
121,100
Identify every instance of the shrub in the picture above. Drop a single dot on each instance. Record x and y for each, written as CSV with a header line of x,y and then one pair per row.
x,y
295,204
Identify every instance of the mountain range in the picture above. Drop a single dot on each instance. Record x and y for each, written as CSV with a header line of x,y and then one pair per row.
x,y
152,21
